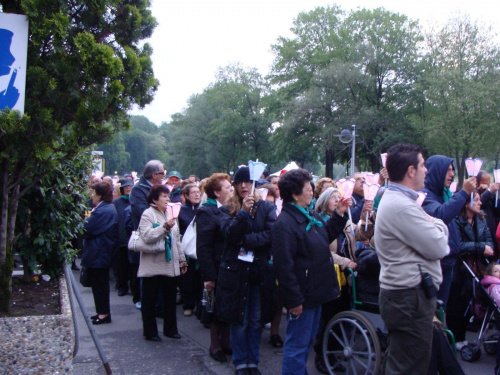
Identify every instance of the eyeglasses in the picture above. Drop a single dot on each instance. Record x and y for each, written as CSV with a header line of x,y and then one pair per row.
x,y
244,182
163,173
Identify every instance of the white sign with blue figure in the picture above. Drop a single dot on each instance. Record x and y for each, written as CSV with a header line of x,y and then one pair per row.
x,y
13,53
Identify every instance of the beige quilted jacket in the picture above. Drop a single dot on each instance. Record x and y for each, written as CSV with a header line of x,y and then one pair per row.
x,y
155,264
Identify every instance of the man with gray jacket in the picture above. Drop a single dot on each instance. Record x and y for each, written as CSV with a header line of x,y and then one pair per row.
x,y
409,244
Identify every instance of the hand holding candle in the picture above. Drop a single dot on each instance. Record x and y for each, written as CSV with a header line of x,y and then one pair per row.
x,y
473,167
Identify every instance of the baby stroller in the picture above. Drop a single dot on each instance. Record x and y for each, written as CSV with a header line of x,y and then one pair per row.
x,y
488,335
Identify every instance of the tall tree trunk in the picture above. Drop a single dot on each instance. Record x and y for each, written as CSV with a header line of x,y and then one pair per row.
x,y
6,257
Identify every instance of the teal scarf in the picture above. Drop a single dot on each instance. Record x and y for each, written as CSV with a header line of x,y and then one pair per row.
x,y
447,194
168,244
176,191
312,219
126,197
209,202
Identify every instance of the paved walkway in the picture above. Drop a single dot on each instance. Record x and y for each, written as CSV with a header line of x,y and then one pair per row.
x,y
128,353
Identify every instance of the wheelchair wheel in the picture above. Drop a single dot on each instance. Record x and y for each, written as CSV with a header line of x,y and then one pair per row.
x,y
490,344
470,353
351,343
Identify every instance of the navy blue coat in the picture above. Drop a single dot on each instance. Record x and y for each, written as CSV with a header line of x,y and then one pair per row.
x,y
434,205
123,235
303,262
138,200
186,215
100,236
234,275
358,201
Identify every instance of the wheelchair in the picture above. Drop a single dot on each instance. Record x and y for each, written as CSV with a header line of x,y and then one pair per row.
x,y
355,340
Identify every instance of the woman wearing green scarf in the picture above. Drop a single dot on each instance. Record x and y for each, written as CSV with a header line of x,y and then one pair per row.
x,y
304,265
160,269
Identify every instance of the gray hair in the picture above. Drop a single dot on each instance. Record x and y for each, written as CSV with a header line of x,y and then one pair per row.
x,y
152,166
322,202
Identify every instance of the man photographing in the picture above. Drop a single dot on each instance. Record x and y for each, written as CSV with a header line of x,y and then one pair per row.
x,y
409,244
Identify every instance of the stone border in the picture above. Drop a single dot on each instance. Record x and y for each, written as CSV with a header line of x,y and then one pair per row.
x,y
39,344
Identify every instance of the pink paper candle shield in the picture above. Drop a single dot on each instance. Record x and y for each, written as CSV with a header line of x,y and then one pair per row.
x,y
453,187
496,175
473,166
346,187
371,178
173,210
370,191
384,158
421,197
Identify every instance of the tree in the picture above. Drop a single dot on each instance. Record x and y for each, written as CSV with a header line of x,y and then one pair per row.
x,y
340,70
86,67
223,127
458,108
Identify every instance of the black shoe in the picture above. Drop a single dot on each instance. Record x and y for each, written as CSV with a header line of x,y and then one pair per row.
x,y
105,320
320,364
276,341
218,356
253,371
153,338
227,351
122,292
174,336
94,317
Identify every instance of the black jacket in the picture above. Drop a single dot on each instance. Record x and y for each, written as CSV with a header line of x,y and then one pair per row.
x,y
123,236
138,200
209,241
100,236
303,262
186,215
234,275
492,215
367,285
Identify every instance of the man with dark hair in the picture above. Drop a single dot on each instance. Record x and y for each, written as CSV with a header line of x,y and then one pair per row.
x,y
442,204
409,244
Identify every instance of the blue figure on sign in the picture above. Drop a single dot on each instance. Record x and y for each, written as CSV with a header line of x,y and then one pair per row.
x,y
8,95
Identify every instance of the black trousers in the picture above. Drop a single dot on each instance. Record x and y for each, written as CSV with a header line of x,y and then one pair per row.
x,y
99,282
151,286
135,282
192,286
122,269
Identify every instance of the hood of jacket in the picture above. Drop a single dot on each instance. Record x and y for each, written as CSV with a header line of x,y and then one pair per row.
x,y
437,168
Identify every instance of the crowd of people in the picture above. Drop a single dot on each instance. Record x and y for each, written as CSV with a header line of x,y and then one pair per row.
x,y
280,245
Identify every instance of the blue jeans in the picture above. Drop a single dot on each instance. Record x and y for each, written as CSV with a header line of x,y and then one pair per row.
x,y
245,339
300,334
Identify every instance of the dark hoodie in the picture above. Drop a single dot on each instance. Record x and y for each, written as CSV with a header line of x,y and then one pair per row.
x,y
434,205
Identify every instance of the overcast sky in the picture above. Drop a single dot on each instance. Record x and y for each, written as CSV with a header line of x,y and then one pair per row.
x,y
196,37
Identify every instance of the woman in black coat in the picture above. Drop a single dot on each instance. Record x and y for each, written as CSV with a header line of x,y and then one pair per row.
x,y
209,248
100,236
246,284
304,265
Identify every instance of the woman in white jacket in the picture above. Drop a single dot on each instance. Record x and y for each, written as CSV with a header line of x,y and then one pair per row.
x,y
159,268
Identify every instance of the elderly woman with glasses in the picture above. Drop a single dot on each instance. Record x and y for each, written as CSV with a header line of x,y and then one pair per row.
x,y
244,297
304,265
159,269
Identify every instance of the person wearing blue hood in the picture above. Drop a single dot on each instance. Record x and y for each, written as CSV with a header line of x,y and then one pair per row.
x,y
442,204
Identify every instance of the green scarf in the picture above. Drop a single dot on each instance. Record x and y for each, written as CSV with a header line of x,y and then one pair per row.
x,y
176,191
447,194
209,202
126,197
168,244
312,219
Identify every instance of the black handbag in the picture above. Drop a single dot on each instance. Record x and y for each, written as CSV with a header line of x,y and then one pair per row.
x,y
84,277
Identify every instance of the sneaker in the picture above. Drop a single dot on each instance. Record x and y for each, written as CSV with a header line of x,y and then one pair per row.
x,y
138,305
459,345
